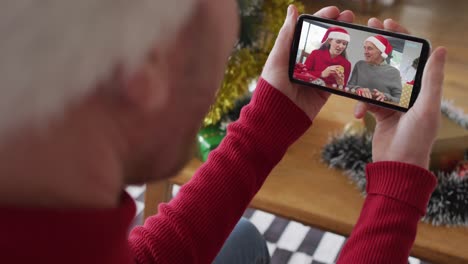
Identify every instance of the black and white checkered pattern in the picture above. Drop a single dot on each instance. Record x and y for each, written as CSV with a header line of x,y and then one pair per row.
x,y
289,242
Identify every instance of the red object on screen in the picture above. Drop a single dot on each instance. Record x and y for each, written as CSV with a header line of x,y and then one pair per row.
x,y
301,73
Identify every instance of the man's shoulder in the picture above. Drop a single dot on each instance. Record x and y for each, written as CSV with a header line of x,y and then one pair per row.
x,y
391,69
360,63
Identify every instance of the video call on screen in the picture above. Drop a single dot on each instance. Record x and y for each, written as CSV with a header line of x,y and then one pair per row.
x,y
359,62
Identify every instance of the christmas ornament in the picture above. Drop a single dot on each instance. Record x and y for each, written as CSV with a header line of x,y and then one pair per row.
x,y
209,138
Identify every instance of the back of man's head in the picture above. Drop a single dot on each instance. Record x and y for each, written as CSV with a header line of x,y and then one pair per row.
x,y
53,53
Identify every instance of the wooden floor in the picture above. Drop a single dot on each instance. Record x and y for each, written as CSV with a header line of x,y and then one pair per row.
x,y
444,23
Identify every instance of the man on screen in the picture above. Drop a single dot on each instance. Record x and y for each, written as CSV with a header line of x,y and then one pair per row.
x,y
374,77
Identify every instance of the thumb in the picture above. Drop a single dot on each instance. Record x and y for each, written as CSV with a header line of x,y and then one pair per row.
x,y
285,36
433,78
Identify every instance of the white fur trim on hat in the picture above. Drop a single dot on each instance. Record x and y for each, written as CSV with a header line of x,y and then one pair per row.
x,y
53,52
380,46
339,35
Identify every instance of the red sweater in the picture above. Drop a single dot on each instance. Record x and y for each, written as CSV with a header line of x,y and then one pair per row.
x,y
194,225
319,60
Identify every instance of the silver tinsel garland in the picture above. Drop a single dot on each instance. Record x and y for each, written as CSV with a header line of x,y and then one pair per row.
x,y
454,113
448,204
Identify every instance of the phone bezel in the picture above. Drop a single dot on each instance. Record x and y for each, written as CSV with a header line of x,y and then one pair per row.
x,y
426,47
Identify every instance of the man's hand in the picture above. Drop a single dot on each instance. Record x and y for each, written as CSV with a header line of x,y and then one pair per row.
x,y
365,92
409,137
379,96
275,72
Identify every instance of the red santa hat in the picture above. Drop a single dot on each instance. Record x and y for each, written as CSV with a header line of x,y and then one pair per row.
x,y
382,44
336,33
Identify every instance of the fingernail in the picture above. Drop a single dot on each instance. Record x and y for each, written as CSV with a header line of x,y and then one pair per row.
x,y
289,10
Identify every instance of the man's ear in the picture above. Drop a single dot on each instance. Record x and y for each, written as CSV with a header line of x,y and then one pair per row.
x,y
147,87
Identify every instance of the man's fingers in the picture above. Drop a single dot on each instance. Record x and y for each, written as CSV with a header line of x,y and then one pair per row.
x,y
388,24
286,33
379,95
346,16
379,113
392,25
375,23
331,12
432,82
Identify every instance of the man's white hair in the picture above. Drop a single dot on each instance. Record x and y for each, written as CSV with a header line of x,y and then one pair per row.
x,y
52,52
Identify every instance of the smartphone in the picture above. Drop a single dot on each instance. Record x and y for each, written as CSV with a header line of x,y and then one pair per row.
x,y
363,63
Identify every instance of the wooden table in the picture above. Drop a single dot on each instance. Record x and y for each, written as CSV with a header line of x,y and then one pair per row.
x,y
304,189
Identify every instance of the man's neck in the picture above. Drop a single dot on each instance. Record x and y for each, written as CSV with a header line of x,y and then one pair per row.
x,y
378,63
64,166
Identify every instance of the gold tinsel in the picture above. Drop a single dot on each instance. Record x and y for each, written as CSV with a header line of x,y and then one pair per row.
x,y
246,64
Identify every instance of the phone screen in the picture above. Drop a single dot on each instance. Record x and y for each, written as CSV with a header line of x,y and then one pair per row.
x,y
359,62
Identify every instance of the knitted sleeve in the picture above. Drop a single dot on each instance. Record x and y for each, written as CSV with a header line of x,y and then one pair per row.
x,y
398,194
194,225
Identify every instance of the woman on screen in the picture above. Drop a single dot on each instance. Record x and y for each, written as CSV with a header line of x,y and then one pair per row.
x,y
329,62
373,77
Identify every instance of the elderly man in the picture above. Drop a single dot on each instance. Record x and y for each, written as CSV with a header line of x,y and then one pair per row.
x,y
373,77
99,94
